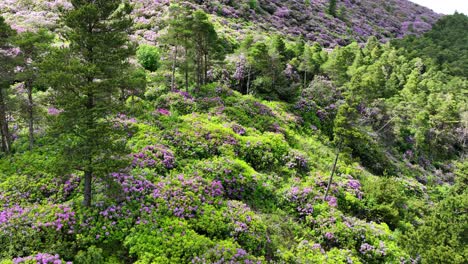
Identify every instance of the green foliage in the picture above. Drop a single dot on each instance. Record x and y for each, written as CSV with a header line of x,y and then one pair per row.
x,y
7,65
445,44
92,255
266,152
441,237
339,61
332,8
84,77
171,241
148,56
192,35
253,4
213,175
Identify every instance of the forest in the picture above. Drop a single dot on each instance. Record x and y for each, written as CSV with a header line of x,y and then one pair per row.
x,y
179,132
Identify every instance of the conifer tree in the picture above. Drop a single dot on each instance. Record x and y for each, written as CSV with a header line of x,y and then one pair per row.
x,y
205,42
33,46
85,80
7,63
332,8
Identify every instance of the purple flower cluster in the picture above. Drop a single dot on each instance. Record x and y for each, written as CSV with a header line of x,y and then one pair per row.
x,y
245,225
71,184
332,201
354,186
241,66
133,187
282,12
64,219
262,109
297,160
183,197
54,111
41,258
124,119
367,249
238,129
157,156
302,198
163,111
56,218
13,212
221,254
329,236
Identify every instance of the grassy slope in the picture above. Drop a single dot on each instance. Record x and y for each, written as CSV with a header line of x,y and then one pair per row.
x,y
272,169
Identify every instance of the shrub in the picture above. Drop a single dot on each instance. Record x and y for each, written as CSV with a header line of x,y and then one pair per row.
x,y
148,56
169,241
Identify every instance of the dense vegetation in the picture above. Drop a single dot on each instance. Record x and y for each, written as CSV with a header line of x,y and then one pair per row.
x,y
201,147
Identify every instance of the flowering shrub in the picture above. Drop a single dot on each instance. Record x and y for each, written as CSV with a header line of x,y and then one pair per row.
x,y
25,230
181,102
247,229
298,161
41,258
227,252
301,200
264,152
236,177
198,137
242,112
159,158
183,197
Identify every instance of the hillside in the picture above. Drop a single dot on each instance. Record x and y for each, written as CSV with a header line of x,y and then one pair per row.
x,y
311,20
205,132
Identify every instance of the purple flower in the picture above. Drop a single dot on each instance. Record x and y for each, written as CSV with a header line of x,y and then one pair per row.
x,y
54,111
365,248
164,111
332,201
354,184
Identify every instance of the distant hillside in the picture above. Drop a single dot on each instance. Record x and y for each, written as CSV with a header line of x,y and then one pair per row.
x,y
311,19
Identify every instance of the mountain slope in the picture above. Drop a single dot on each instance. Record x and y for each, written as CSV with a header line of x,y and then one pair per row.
x,y
355,19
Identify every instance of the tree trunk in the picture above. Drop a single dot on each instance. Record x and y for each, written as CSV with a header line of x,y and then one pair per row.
x,y
174,60
198,71
30,113
333,171
4,125
88,177
248,79
205,74
305,79
90,125
186,71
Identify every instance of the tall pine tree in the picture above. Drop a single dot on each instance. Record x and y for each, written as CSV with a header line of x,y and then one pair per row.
x,y
85,80
34,47
8,55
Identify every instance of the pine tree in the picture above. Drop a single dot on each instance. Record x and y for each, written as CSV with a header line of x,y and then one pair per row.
x,y
33,46
7,63
178,38
205,42
332,8
84,78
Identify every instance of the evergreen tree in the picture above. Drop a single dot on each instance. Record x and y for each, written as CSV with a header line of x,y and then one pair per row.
x,y
8,55
441,237
34,46
332,8
178,37
338,62
84,78
206,43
